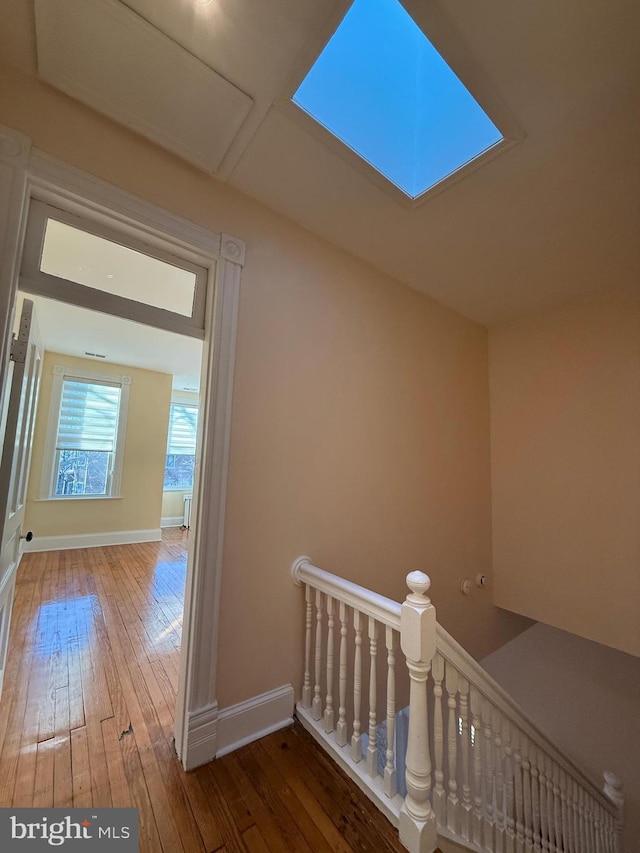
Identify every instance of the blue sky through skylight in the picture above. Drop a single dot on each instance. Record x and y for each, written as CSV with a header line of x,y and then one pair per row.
x,y
382,88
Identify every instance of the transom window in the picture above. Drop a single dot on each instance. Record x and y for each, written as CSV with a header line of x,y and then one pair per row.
x,y
181,446
383,89
85,444
85,263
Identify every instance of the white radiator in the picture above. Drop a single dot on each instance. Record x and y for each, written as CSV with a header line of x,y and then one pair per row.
x,y
186,523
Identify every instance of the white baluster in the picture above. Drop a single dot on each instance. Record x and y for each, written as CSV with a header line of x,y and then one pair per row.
x,y
584,821
476,738
592,824
535,799
499,780
544,816
576,816
356,738
390,780
439,794
608,829
372,749
453,803
465,815
526,795
316,708
418,642
564,806
306,686
613,790
554,841
583,846
489,819
329,721
519,795
341,728
595,824
598,824
606,832
509,793
611,829
557,807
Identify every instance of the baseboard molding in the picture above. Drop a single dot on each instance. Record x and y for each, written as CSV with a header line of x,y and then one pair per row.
x,y
201,737
172,521
247,721
92,540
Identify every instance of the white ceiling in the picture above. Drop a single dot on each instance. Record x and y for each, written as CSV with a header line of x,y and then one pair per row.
x,y
554,217
75,331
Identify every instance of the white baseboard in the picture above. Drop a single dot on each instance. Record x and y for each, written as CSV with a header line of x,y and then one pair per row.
x,y
172,521
201,737
93,540
213,733
247,721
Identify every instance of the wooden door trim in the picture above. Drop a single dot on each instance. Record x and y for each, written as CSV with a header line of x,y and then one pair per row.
x,y
38,175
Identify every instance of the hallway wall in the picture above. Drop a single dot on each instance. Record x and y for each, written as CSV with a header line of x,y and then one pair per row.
x,y
565,422
360,431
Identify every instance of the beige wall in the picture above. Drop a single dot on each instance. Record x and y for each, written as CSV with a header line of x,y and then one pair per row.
x,y
173,503
565,421
144,458
360,430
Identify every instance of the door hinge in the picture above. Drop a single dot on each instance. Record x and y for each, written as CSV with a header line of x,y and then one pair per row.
x,y
19,349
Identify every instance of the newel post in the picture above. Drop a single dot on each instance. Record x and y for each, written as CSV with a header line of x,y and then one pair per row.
x,y
418,642
613,790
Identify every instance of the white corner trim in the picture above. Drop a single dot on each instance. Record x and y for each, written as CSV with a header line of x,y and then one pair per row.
x,y
232,249
92,540
247,721
202,737
15,147
172,521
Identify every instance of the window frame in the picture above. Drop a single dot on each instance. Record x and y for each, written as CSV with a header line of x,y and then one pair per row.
x,y
177,401
49,471
447,41
34,280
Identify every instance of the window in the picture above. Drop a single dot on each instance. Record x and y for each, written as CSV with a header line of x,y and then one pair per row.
x,y
76,255
181,447
85,444
383,90
85,263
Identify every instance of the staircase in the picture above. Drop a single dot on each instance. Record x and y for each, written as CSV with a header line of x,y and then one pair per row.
x,y
461,767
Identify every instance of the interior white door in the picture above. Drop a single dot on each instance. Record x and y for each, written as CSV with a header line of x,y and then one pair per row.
x,y
20,417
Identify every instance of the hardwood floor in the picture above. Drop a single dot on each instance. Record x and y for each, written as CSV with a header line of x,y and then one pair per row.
x,y
86,718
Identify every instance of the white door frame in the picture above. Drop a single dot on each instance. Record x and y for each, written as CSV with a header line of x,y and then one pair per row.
x,y
27,173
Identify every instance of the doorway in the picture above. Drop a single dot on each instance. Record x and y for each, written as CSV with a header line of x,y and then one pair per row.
x,y
221,256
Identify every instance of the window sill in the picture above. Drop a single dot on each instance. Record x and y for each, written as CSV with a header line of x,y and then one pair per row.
x,y
188,489
59,498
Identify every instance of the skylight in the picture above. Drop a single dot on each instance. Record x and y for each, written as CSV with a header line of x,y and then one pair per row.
x,y
381,87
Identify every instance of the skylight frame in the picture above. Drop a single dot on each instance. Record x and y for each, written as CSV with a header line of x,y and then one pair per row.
x,y
450,45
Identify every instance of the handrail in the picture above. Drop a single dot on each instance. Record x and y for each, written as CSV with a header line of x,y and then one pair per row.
x,y
467,666
512,784
383,609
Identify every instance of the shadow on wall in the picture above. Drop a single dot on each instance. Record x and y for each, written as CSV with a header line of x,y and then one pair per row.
x,y
586,698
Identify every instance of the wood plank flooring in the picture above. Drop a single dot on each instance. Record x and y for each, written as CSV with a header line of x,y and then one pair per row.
x,y
86,718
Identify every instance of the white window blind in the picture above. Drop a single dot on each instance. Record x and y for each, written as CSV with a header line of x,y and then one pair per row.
x,y
183,426
88,416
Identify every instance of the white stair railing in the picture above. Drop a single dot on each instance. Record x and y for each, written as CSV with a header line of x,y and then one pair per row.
x,y
475,769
